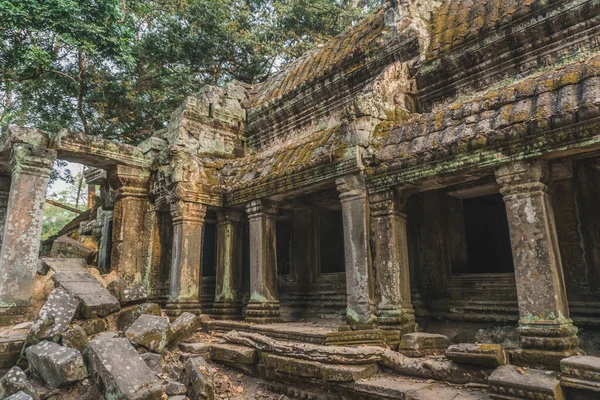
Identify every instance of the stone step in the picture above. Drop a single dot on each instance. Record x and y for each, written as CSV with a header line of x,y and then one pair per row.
x,y
71,275
510,382
404,389
420,344
233,354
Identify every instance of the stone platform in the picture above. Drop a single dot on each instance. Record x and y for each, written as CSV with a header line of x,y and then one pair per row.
x,y
303,332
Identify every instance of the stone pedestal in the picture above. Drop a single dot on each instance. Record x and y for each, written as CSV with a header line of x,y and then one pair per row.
x,y
129,230
188,219
390,264
228,304
23,227
360,311
547,332
263,306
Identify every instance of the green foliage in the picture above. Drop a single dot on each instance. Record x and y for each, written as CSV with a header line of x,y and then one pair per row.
x,y
118,68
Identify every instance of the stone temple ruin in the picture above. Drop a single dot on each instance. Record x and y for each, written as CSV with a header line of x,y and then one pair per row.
x,y
415,202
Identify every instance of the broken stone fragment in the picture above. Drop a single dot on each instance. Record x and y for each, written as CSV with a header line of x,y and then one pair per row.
x,y
511,382
198,378
56,365
154,361
15,381
54,317
485,354
93,326
75,337
19,396
184,326
151,332
105,336
127,295
96,301
119,369
122,320
419,344
68,247
195,348
581,373
175,388
10,349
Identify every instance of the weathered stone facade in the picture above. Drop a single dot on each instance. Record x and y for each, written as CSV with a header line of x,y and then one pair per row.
x,y
437,162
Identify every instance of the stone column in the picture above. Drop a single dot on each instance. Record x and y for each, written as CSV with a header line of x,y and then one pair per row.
x,y
355,214
546,332
4,191
263,306
188,220
390,264
228,302
23,226
129,233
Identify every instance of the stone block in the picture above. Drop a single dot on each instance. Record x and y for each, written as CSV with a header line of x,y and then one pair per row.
x,y
581,372
483,354
10,349
55,317
127,295
154,361
510,382
233,354
121,372
197,376
347,373
19,396
184,326
151,332
122,320
196,348
15,381
67,247
105,335
96,301
75,337
384,388
419,344
175,388
56,365
93,326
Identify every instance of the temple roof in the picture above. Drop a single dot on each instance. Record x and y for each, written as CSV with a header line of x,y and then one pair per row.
x,y
345,52
540,103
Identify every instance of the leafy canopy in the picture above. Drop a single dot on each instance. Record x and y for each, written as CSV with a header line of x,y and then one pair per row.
x,y
118,68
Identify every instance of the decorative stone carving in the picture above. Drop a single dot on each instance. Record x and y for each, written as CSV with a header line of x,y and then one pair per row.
x,y
544,323
229,265
23,226
264,297
390,263
355,214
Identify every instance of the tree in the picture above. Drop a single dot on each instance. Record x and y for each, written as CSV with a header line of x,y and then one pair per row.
x,y
118,68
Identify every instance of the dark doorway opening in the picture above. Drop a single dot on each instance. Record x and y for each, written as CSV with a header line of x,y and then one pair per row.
x,y
487,235
331,241
284,247
209,249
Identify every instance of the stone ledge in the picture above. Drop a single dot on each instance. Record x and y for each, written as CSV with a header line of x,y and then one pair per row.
x,y
513,383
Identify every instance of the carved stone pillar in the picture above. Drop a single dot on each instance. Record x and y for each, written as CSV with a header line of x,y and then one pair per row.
x,y
228,302
263,306
390,264
23,226
129,232
4,191
188,219
547,332
355,215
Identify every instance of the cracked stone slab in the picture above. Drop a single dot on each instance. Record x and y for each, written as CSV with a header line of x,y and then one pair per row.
x,y
71,275
54,318
511,382
56,365
151,332
121,371
67,247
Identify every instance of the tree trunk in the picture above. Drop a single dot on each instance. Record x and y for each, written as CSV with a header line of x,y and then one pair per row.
x,y
81,92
